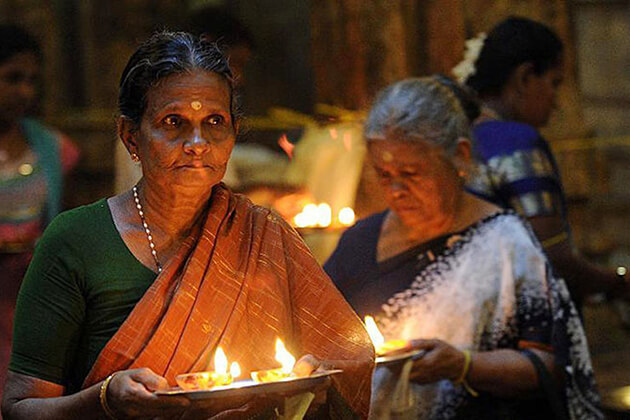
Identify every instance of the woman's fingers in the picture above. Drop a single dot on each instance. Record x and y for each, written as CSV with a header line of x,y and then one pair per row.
x,y
251,408
148,378
130,393
441,361
422,344
306,365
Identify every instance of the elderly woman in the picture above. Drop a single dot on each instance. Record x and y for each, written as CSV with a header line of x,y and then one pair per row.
x,y
126,293
457,276
517,75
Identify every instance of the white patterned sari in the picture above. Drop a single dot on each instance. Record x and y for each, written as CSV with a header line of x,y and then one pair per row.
x,y
486,288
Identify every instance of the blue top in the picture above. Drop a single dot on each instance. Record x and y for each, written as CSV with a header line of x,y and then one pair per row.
x,y
364,282
516,169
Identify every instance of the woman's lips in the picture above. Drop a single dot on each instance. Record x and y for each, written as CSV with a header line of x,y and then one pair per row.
x,y
199,165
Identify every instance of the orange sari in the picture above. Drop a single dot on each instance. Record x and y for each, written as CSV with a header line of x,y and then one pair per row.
x,y
242,279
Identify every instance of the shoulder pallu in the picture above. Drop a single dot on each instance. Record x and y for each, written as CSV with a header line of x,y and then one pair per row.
x,y
242,278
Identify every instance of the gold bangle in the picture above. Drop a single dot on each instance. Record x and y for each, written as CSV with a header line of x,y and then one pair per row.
x,y
462,377
554,240
468,388
103,397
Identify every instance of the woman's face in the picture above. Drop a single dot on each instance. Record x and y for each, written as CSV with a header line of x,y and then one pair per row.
x,y
539,96
420,182
186,134
18,86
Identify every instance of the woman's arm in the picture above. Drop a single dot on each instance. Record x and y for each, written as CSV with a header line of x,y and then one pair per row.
x,y
582,276
25,397
502,373
129,395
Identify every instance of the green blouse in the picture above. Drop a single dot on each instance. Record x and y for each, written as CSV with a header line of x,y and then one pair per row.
x,y
80,287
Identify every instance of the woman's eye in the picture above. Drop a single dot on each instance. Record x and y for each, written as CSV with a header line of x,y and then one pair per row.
x,y
216,120
172,120
383,174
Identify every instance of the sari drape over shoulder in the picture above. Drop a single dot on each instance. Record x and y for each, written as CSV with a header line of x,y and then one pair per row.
x,y
241,279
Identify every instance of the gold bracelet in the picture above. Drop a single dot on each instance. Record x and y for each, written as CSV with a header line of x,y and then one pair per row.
x,y
462,377
103,397
554,240
467,360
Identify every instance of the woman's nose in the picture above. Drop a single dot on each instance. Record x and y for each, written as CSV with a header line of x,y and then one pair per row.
x,y
397,189
196,144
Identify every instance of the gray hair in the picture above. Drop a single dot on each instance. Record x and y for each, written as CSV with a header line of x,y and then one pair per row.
x,y
418,109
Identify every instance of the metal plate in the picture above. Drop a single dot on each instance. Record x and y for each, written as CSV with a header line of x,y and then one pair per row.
x,y
416,354
249,388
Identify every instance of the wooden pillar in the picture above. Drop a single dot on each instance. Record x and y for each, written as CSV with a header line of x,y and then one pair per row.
x,y
358,47
445,34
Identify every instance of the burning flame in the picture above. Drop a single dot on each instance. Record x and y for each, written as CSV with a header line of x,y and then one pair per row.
x,y
285,358
324,215
346,216
220,361
321,215
235,370
286,145
375,334
314,215
347,141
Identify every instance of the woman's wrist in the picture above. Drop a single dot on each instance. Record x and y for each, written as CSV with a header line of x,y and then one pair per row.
x,y
462,379
109,413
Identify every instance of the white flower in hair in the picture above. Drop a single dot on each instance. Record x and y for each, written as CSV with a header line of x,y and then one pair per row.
x,y
466,67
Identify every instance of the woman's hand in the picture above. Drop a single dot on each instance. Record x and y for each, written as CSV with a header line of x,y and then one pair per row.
x,y
308,364
440,361
305,366
257,406
130,394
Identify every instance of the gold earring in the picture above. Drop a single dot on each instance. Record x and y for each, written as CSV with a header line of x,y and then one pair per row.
x,y
461,173
135,157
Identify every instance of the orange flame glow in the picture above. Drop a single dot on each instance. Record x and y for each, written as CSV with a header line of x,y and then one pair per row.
x,y
285,358
235,370
380,345
346,216
220,361
286,145
375,334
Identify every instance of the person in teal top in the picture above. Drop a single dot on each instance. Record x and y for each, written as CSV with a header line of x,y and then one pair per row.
x,y
33,161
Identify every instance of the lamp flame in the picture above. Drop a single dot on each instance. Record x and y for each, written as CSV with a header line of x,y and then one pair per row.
x,y
220,361
235,370
286,145
346,216
324,215
375,334
285,358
